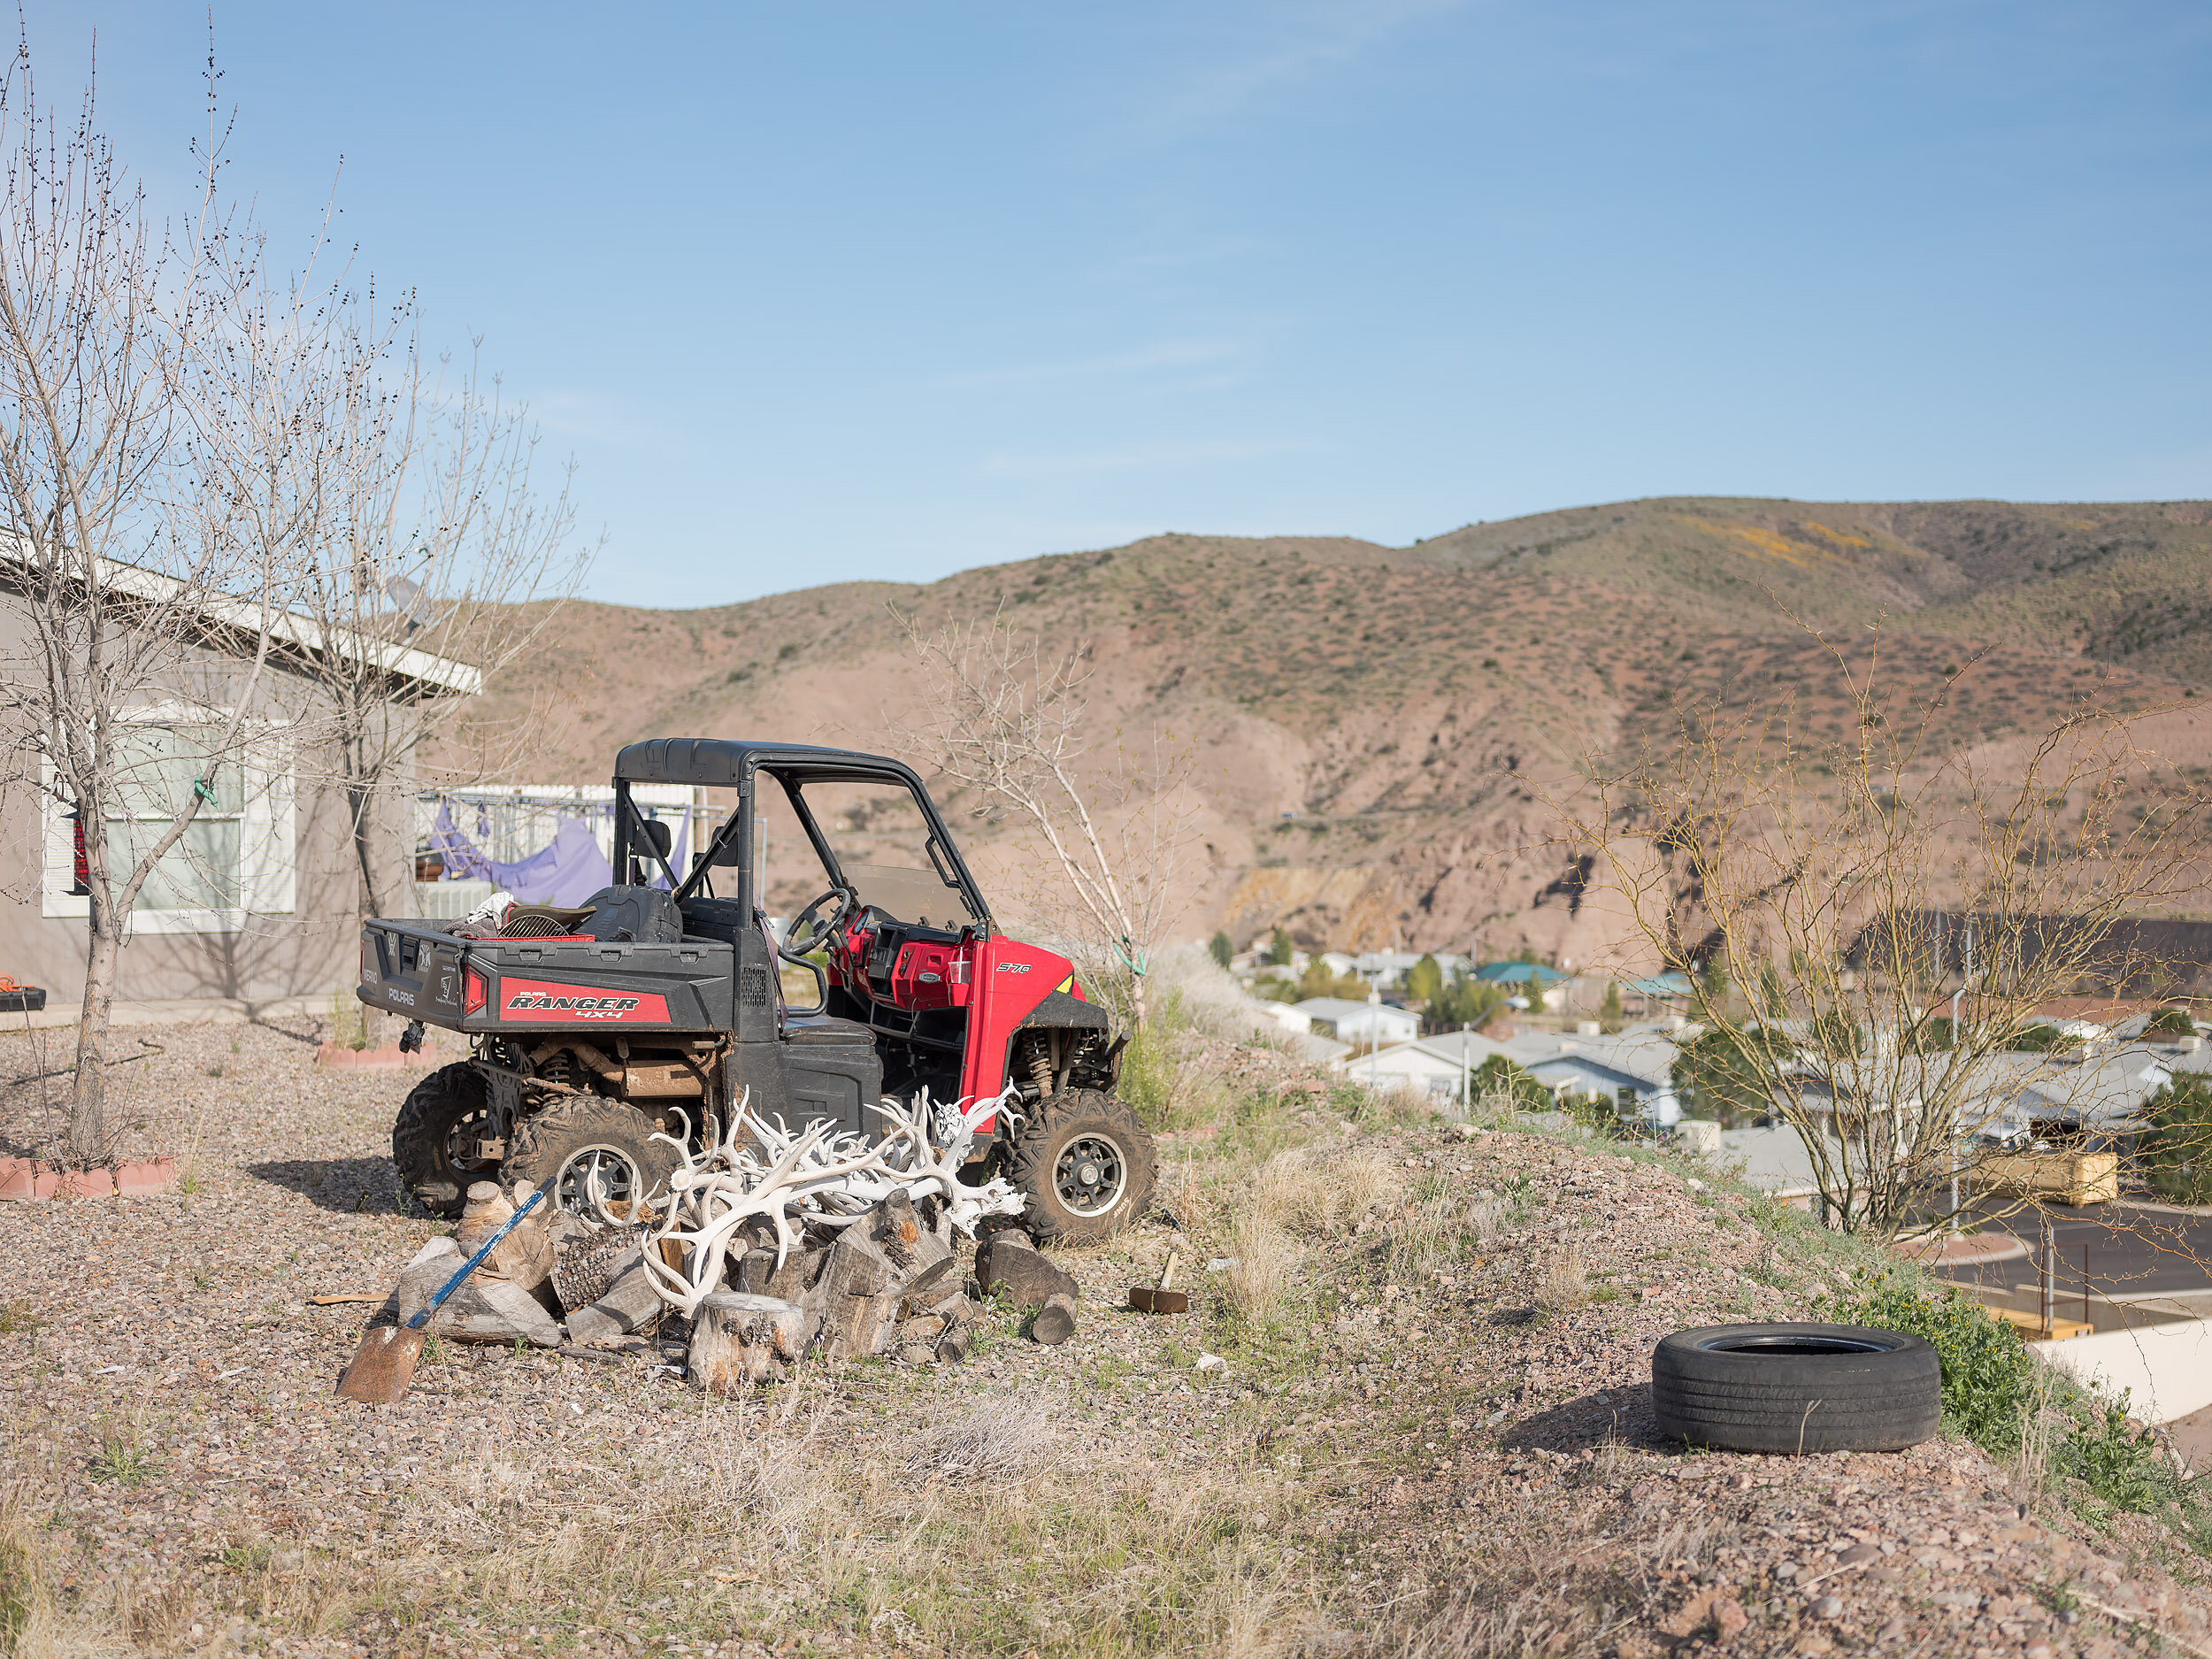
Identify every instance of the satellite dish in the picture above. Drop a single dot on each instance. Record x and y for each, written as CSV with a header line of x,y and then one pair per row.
x,y
412,602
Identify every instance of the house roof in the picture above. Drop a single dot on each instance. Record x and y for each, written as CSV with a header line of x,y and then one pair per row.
x,y
228,619
1663,985
1518,973
1335,1008
1643,1055
1452,1048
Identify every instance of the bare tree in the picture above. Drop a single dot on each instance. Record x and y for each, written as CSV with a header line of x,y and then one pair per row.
x,y
1011,721
429,546
143,603
1870,920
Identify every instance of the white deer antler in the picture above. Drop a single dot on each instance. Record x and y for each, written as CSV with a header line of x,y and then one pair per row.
x,y
819,1176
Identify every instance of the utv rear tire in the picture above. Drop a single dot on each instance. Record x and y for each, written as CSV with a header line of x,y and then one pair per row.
x,y
428,1134
1086,1164
584,1143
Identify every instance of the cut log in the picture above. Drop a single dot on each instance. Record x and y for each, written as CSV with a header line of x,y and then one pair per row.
x,y
857,1296
738,1341
758,1274
952,1347
630,1301
482,1213
1055,1321
483,1309
584,1265
928,1288
922,1328
1006,1264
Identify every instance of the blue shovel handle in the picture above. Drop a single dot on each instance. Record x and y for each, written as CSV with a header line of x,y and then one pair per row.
x,y
469,1266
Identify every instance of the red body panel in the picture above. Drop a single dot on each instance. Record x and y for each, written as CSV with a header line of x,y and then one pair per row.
x,y
1010,979
539,1002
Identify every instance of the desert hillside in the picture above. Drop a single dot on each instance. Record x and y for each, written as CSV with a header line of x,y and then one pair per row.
x,y
1378,729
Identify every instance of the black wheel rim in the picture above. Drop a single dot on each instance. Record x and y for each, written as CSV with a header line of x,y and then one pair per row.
x,y
601,1182
1090,1175
460,1147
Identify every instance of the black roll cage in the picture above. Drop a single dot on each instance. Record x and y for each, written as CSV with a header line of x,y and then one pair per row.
x,y
723,764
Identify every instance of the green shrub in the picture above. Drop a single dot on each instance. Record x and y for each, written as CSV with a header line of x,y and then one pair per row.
x,y
2120,1464
1988,1374
2170,1022
1835,1031
1222,948
1990,1389
2045,1040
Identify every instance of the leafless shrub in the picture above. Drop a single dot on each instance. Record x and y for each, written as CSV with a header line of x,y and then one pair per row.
x,y
1009,719
1871,918
1486,1220
992,1441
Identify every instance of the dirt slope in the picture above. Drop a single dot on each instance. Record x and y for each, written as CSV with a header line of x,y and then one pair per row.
x,y
1414,707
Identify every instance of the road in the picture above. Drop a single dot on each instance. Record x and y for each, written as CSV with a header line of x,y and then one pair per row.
x,y
2132,1253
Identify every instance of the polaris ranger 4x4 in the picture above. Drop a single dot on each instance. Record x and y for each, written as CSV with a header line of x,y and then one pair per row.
x,y
661,1006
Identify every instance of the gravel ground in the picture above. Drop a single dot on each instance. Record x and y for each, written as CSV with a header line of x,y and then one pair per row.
x,y
1416,1460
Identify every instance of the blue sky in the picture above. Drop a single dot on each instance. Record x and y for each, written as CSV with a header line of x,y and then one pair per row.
x,y
814,293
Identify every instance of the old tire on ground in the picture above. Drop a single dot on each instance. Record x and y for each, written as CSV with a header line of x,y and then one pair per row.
x,y
592,1156
1086,1165
441,1115
1796,1389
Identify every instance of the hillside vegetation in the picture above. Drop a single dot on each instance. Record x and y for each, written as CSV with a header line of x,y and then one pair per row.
x,y
1378,729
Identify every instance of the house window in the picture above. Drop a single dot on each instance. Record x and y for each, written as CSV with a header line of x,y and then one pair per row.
x,y
235,859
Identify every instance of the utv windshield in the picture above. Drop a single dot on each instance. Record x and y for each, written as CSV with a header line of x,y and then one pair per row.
x,y
882,844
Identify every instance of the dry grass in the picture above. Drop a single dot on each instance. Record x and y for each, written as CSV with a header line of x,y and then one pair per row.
x,y
1318,1193
1264,1256
997,1440
33,1622
1563,1283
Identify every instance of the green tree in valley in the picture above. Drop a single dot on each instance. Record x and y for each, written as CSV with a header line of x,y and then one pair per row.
x,y
1425,980
1222,948
1278,947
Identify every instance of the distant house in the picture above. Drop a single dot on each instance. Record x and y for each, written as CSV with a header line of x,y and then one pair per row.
x,y
1373,1023
1634,1070
1434,1066
1530,980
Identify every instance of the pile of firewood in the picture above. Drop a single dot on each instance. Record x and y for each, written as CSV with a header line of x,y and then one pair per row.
x,y
772,1247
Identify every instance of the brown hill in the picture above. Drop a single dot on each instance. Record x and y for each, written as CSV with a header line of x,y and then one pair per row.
x,y
1377,726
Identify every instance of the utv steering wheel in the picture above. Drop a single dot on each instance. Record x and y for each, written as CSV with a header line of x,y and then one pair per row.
x,y
809,933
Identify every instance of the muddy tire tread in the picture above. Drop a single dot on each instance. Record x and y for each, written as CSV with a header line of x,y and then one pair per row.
x,y
1030,1167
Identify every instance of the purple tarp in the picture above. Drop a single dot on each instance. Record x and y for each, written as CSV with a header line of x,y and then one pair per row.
x,y
565,872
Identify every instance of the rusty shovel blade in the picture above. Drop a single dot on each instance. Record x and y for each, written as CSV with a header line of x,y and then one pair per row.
x,y
383,1366
1151,1299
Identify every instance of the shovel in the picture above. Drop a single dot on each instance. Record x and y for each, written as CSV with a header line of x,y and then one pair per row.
x,y
384,1365
1158,1298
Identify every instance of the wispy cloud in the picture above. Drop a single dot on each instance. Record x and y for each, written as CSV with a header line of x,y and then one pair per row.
x,y
1139,457
1186,353
1304,44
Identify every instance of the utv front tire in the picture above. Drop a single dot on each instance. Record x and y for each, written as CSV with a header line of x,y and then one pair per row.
x,y
592,1156
1085,1165
434,1138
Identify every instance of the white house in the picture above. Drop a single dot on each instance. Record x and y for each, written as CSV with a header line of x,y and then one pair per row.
x,y
1634,1070
1372,1022
1435,1066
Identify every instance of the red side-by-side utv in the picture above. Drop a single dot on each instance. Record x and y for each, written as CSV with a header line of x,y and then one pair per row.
x,y
665,1003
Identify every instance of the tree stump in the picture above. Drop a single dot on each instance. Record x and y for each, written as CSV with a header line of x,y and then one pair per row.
x,y
738,1341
